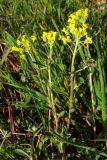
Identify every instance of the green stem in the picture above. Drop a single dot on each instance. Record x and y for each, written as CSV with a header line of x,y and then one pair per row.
x,y
72,83
92,98
2,143
50,93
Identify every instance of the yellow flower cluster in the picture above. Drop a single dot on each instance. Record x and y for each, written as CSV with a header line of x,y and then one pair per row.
x,y
77,27
77,23
49,37
23,45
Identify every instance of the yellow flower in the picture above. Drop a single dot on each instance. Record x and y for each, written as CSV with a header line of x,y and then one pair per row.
x,y
23,45
72,18
21,50
66,39
33,38
85,26
88,40
82,13
81,31
14,48
44,36
65,31
49,37
86,13
26,45
18,42
77,23
23,38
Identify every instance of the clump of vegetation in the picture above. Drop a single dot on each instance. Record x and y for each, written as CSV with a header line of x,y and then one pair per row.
x,y
53,80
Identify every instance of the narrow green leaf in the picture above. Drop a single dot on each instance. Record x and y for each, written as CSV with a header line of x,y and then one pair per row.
x,y
22,153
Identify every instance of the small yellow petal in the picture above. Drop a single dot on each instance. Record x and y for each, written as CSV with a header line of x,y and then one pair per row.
x,y
65,31
18,42
88,40
14,48
21,50
65,39
33,38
